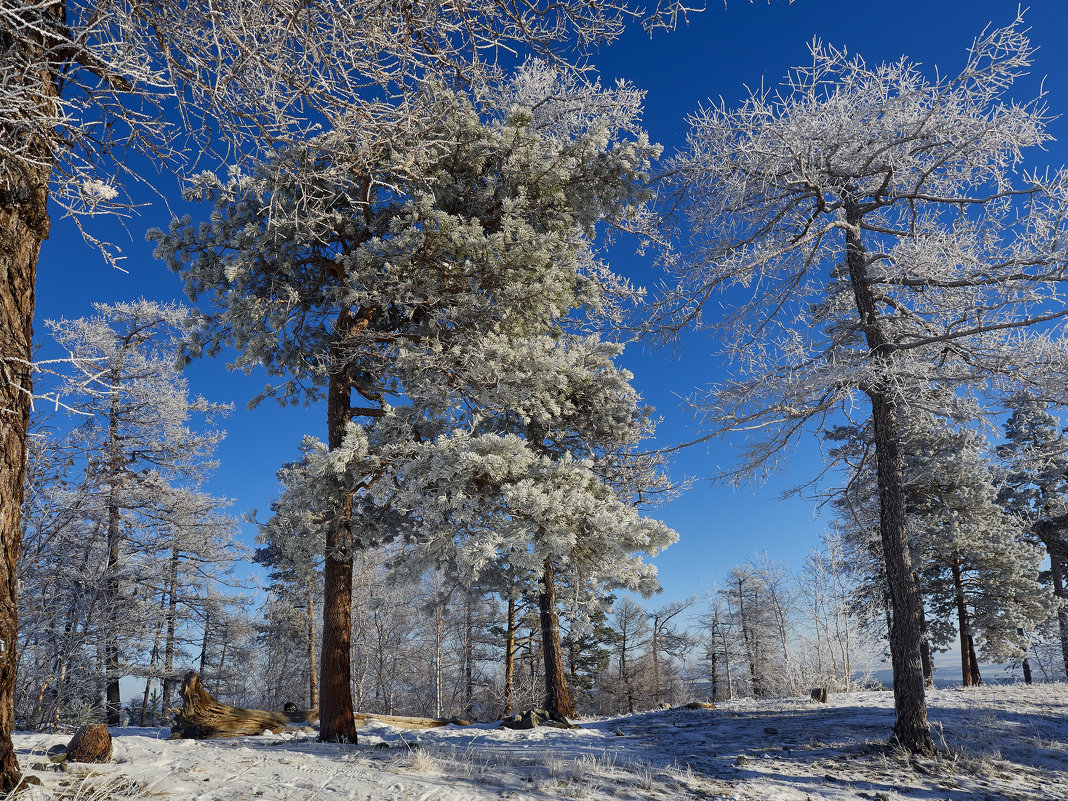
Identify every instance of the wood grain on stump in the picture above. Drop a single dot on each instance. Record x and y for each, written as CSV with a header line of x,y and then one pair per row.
x,y
202,717
90,744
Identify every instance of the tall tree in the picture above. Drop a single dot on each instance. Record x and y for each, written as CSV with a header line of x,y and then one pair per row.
x,y
873,226
431,277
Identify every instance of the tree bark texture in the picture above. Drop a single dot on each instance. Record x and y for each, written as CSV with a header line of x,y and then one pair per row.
x,y
556,696
24,225
203,717
911,728
337,723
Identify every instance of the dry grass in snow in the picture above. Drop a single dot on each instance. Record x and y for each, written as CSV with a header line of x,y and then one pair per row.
x,y
1000,742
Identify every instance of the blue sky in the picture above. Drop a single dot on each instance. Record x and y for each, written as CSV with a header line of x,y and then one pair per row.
x,y
717,54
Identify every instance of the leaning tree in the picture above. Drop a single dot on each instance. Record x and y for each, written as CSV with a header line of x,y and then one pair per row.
x,y
877,239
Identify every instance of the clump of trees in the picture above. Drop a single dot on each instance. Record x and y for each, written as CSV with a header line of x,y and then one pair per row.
x,y
438,291
123,550
91,90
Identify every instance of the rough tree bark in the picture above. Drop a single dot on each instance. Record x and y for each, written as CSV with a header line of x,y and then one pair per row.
x,y
24,225
202,717
911,728
977,679
336,723
557,699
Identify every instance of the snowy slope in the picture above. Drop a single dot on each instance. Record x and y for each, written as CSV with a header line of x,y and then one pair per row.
x,y
1002,742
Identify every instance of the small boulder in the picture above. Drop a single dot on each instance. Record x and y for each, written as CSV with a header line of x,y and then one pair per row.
x,y
90,744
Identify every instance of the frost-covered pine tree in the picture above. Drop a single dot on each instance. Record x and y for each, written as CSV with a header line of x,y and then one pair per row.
x,y
833,209
972,560
971,563
1035,489
424,288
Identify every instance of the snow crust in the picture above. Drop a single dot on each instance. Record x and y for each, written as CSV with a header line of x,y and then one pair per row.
x,y
996,742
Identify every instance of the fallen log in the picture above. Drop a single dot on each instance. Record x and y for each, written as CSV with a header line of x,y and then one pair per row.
x,y
202,717
402,722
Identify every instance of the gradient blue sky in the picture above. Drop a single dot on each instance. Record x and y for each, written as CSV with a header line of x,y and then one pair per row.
x,y
717,54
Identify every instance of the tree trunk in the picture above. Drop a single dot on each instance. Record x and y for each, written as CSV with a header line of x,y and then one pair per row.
x,y
313,674
714,669
168,647
754,679
925,648
335,686
727,665
113,704
963,624
469,653
205,640
977,679
1025,664
911,728
24,225
556,697
656,665
203,717
509,657
439,641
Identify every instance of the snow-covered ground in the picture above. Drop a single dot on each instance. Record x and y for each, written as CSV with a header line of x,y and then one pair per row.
x,y
997,742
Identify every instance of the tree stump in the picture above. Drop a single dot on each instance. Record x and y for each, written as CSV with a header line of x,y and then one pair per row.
x,y
202,717
90,744
533,718
819,694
